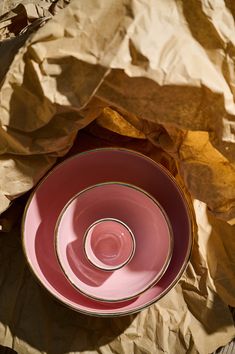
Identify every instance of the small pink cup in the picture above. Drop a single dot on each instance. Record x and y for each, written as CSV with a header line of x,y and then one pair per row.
x,y
109,244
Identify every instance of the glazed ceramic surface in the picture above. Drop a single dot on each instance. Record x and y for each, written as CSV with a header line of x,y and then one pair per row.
x,y
141,214
82,171
109,244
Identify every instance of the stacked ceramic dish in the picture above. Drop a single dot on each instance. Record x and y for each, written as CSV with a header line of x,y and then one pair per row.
x,y
107,232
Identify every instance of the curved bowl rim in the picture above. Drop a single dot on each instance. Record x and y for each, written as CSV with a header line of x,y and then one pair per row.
x,y
170,234
192,230
128,259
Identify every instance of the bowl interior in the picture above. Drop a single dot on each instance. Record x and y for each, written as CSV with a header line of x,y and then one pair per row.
x,y
109,244
72,176
143,215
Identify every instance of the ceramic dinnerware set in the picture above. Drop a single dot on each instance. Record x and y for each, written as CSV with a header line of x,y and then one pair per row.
x,y
107,232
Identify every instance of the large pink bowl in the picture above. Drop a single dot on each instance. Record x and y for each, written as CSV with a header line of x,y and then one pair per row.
x,y
145,218
82,171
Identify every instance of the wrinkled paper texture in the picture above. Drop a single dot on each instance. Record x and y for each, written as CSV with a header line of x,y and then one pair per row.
x,y
192,318
160,76
169,64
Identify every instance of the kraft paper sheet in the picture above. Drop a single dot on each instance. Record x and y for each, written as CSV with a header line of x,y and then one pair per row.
x,y
155,76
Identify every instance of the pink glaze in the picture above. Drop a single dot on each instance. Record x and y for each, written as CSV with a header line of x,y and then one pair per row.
x,y
109,244
141,214
72,176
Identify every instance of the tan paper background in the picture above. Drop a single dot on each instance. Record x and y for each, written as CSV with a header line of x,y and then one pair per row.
x,y
166,65
160,73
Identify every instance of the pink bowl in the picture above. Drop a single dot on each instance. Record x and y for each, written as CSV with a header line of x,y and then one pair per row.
x,y
144,217
109,244
82,171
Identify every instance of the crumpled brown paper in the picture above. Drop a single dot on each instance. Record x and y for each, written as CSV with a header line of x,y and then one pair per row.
x,y
149,59
148,72
18,172
192,318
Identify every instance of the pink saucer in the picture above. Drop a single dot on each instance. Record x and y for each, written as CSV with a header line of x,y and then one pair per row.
x,y
109,244
141,213
68,179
